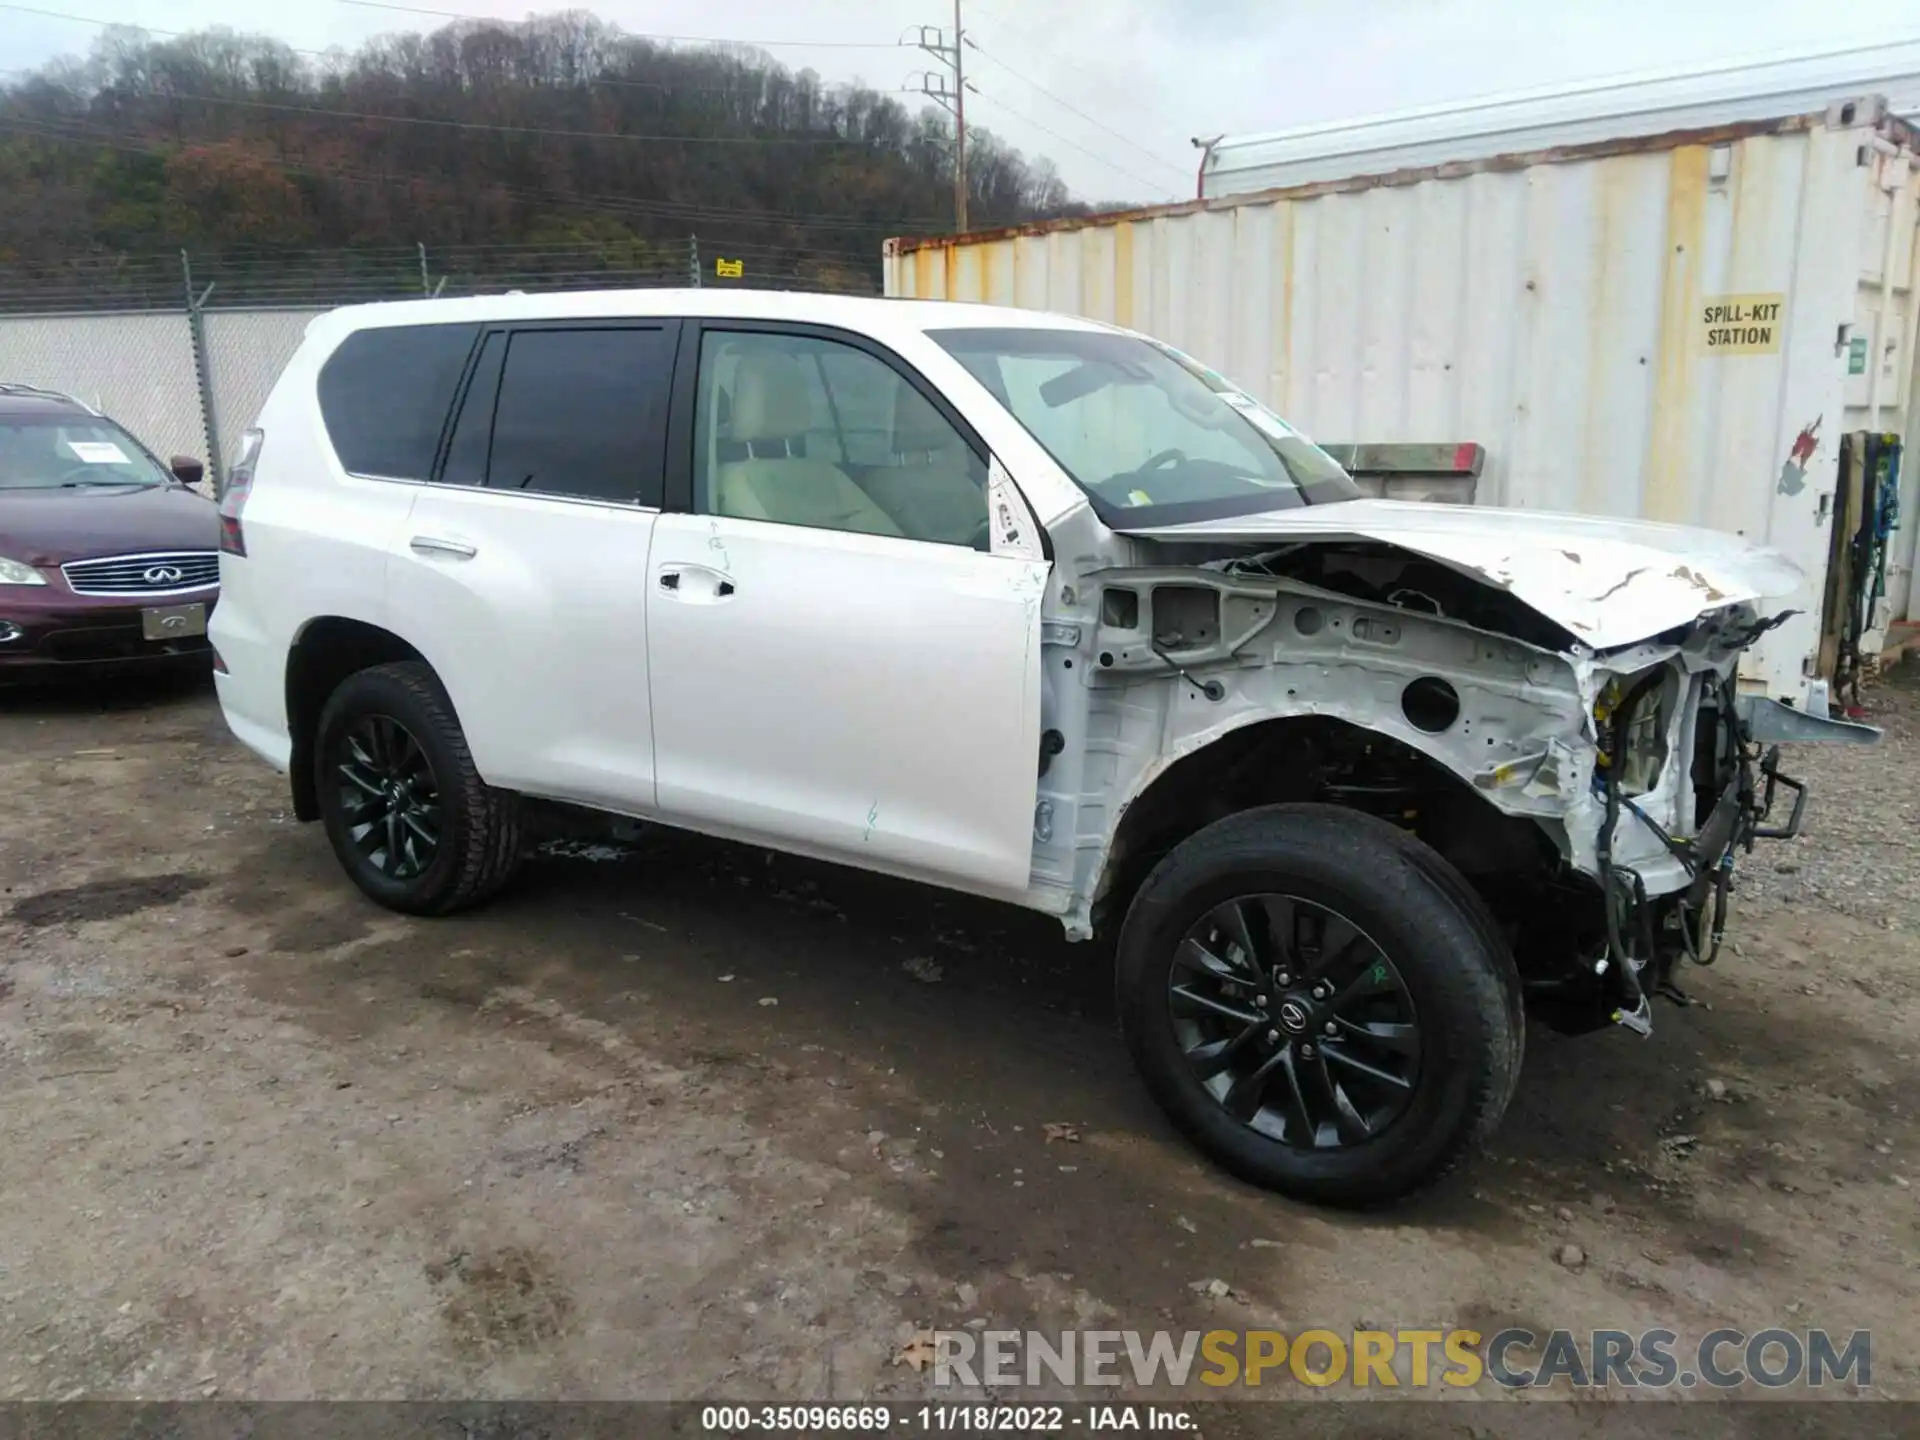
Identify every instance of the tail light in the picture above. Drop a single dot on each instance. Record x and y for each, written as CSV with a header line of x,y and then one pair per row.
x,y
233,496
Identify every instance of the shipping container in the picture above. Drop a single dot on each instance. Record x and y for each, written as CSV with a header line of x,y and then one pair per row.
x,y
1678,325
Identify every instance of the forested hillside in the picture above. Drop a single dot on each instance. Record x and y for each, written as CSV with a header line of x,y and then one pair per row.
x,y
561,135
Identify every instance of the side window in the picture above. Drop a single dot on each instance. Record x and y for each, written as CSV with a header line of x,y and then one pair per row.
x,y
578,412
799,430
384,396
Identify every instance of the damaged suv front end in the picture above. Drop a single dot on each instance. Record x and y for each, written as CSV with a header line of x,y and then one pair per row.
x,y
1578,676
1362,783
1551,703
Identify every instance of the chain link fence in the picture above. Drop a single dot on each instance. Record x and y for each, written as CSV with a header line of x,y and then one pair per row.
x,y
135,366
183,348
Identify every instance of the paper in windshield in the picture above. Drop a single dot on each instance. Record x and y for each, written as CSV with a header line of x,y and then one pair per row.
x,y
98,452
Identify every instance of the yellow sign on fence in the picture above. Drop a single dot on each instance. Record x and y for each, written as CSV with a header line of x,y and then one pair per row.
x,y
730,269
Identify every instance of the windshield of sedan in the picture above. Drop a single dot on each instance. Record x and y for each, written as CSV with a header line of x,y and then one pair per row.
x,y
71,452
1150,434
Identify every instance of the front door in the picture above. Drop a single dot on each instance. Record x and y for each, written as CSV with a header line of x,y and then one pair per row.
x,y
840,664
521,576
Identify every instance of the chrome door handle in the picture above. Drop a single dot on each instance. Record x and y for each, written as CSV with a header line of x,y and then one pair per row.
x,y
434,545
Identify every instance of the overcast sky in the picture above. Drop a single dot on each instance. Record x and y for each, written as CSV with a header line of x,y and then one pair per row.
x,y
1112,90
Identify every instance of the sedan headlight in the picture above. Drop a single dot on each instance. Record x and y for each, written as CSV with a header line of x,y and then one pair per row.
x,y
12,572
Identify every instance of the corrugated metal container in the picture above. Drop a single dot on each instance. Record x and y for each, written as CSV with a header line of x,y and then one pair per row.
x,y
1675,326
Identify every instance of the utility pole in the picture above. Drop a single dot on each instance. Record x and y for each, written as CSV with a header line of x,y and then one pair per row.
x,y
951,98
960,123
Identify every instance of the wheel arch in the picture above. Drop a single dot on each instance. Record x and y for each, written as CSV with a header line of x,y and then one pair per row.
x,y
1275,759
325,651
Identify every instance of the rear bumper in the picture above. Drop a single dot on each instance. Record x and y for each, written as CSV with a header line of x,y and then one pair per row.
x,y
50,632
270,742
252,681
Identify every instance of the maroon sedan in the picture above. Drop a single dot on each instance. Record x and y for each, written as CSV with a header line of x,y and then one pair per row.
x,y
107,559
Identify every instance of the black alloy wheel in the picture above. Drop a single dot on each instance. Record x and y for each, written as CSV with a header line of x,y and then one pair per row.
x,y
1320,1002
1295,1021
389,798
403,803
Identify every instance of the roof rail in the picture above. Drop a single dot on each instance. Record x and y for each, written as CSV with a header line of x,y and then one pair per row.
x,y
20,387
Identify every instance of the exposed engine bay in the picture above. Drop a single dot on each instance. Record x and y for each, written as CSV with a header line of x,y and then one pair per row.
x,y
1390,576
1596,798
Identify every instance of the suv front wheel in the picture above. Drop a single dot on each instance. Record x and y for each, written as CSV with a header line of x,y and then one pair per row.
x,y
1309,998
406,811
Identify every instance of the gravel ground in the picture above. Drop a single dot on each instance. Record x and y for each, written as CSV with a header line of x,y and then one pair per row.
x,y
1860,852
683,1119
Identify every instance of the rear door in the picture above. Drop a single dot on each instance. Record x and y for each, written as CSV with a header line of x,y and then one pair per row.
x,y
841,663
521,573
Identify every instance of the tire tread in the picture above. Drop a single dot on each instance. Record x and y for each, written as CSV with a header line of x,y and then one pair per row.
x,y
492,833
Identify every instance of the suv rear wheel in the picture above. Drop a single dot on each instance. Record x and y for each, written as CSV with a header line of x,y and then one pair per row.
x,y
1308,997
404,808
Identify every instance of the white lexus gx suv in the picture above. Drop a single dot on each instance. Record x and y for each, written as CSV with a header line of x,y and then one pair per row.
x,y
1025,606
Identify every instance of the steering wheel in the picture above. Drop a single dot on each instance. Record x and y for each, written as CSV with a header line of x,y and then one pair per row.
x,y
77,474
1162,461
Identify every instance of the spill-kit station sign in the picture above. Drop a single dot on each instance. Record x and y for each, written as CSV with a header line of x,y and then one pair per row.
x,y
1741,324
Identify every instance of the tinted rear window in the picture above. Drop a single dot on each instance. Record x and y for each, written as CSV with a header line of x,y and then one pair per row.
x,y
384,395
576,410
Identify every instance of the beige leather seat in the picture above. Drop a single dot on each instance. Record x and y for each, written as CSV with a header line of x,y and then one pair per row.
x,y
775,480
935,489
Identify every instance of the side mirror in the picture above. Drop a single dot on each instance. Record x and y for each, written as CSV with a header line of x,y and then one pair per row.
x,y
187,470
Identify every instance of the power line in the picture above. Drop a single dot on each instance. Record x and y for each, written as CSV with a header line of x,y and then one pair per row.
x,y
616,206
1183,171
1154,185
670,39
1102,80
324,112
106,24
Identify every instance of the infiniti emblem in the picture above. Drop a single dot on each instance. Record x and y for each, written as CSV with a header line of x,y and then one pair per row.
x,y
1293,1015
163,575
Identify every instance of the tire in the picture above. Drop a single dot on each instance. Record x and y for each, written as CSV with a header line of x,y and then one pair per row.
x,y
476,829
1371,1111
1448,877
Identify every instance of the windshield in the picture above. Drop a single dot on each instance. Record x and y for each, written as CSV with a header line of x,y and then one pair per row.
x,y
71,452
1150,434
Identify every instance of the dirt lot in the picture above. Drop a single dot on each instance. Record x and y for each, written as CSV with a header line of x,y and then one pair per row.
x,y
687,1120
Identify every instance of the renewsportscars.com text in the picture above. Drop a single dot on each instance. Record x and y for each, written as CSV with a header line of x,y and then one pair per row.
x,y
1417,1359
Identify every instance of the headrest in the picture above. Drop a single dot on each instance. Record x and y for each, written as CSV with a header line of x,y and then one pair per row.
x,y
770,399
